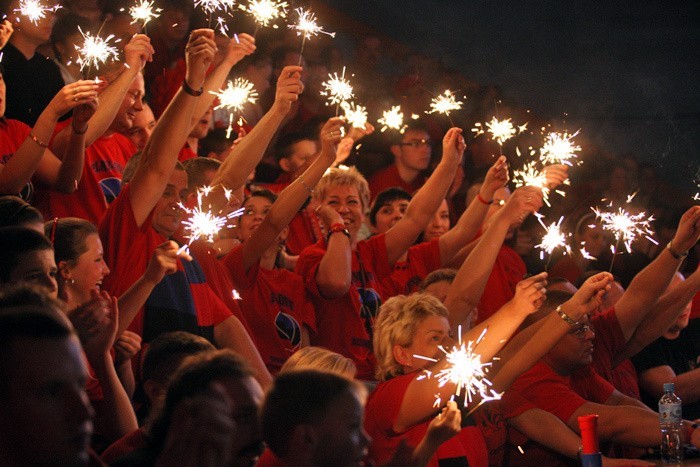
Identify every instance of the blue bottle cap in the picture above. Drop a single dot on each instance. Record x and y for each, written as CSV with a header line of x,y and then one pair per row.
x,y
669,387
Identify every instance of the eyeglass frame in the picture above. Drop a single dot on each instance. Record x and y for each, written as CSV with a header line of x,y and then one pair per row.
x,y
581,332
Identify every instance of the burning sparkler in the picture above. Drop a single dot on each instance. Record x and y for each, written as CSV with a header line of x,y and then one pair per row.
x,y
392,118
143,11
553,238
559,148
530,175
202,222
465,370
264,12
500,130
356,115
445,103
234,97
307,27
95,51
211,6
337,89
34,10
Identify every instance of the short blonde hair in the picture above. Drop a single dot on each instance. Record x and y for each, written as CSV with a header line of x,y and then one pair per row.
x,y
318,358
396,325
343,177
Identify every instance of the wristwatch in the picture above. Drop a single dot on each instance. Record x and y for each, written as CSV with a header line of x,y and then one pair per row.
x,y
338,228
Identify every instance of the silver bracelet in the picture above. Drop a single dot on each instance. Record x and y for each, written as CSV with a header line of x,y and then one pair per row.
x,y
567,319
310,190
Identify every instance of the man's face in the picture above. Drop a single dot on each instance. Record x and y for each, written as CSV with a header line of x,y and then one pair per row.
x,y
46,417
142,127
37,267
167,214
414,150
574,350
389,214
130,106
342,440
300,158
246,397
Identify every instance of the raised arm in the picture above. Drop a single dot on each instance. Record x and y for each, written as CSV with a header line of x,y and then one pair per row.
x,y
334,273
137,52
32,157
245,155
160,154
427,200
292,197
470,221
652,281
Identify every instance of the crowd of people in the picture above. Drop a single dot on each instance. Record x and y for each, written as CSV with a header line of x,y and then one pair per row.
x,y
310,328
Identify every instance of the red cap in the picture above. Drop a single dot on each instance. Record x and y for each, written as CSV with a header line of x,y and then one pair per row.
x,y
588,424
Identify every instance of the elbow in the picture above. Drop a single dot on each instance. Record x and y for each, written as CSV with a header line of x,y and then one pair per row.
x,y
67,187
334,287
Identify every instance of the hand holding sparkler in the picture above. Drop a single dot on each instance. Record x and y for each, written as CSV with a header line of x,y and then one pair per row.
x,y
346,144
138,51
688,232
453,146
529,296
199,54
72,95
238,47
82,114
442,427
289,87
589,297
496,178
331,134
6,31
164,262
556,174
523,202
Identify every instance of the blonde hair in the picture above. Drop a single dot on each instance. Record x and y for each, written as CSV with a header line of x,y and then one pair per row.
x,y
318,358
343,177
396,325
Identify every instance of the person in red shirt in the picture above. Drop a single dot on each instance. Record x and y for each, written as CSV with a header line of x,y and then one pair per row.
x,y
342,273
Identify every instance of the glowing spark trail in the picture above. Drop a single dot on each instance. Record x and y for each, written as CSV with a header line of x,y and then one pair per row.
x,y
530,175
144,12
500,130
306,25
559,148
265,12
337,88
34,10
202,223
626,227
210,6
392,118
356,115
95,50
236,95
553,238
445,103
465,370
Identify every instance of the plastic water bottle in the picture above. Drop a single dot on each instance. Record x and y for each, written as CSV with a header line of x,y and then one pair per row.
x,y
670,420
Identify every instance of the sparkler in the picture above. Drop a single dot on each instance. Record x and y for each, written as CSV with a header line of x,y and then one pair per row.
x,y
559,148
500,130
392,118
264,12
626,227
337,89
356,115
530,175
34,10
307,27
203,223
94,51
234,97
143,11
465,370
445,103
211,6
553,238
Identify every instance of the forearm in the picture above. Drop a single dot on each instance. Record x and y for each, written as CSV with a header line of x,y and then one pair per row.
x,y
548,430
231,334
464,231
131,301
212,83
118,415
427,200
499,328
627,425
687,386
126,376
71,168
333,275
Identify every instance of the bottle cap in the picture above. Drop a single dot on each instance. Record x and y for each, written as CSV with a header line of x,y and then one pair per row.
x,y
669,387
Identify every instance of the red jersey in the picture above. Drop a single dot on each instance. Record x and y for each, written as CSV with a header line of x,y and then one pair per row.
x,y
99,184
345,323
508,270
406,276
275,305
186,153
389,177
466,448
12,135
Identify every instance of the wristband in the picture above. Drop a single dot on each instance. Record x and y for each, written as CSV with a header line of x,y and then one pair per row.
x,y
38,141
674,253
338,228
482,200
567,319
186,87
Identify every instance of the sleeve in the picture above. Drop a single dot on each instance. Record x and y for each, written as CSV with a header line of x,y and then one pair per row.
x,y
598,388
242,279
307,265
217,312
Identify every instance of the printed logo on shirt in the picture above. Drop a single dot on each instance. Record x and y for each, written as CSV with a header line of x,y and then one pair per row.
x,y
110,188
288,328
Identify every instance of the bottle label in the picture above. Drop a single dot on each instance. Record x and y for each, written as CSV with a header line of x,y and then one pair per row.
x,y
670,413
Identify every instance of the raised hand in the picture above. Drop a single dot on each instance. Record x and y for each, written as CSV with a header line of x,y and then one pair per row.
x,y
96,323
73,95
163,262
445,425
237,49
138,51
289,87
688,231
530,293
126,346
556,174
331,134
199,54
524,201
588,297
453,146
328,215
496,177
6,31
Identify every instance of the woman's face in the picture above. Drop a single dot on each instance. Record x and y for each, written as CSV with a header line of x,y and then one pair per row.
x,y
89,269
256,209
439,224
431,333
346,201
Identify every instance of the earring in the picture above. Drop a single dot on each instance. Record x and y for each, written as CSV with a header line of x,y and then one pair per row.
x,y
72,281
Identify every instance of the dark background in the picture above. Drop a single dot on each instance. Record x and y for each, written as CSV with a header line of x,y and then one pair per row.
x,y
626,73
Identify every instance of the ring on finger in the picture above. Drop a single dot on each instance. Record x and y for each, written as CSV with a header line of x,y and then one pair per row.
x,y
75,99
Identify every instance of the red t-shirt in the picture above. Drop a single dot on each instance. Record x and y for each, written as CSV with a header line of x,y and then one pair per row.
x,y
124,445
186,153
389,177
343,324
275,305
182,301
381,412
421,260
491,420
508,270
99,185
695,310
12,135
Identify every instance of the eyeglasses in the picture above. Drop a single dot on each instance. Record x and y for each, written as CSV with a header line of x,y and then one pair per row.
x,y
417,143
580,332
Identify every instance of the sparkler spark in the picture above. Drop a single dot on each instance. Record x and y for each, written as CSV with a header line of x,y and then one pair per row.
x,y
306,25
445,103
236,95
265,11
465,370
202,222
553,238
337,88
500,130
392,118
34,10
356,115
559,148
210,6
626,227
530,175
143,11
95,50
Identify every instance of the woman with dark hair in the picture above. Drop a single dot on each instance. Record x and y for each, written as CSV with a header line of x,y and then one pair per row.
x,y
17,212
